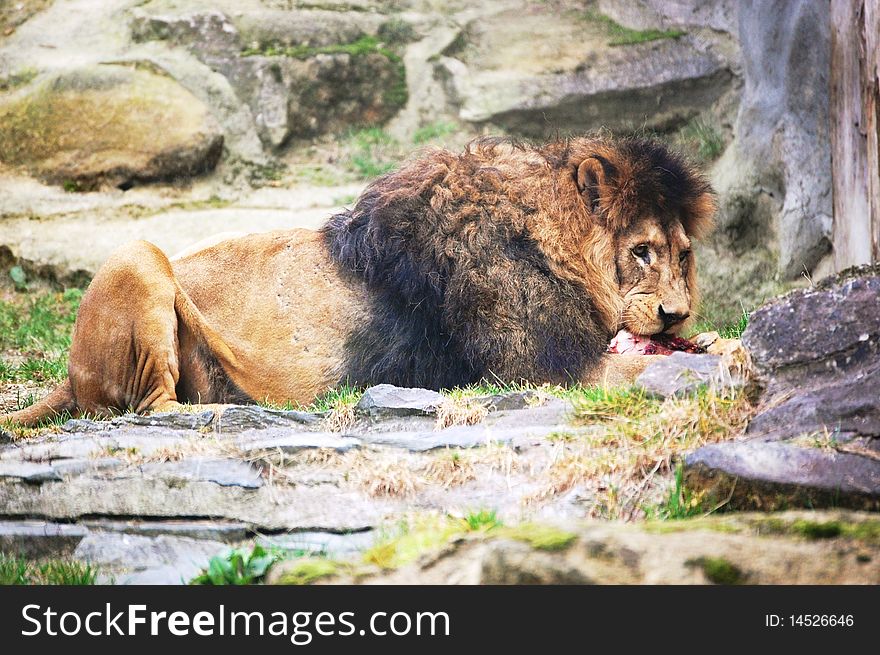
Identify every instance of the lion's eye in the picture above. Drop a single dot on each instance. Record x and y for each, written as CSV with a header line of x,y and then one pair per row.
x,y
641,251
683,255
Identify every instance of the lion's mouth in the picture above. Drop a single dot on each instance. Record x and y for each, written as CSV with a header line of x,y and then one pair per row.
x,y
626,343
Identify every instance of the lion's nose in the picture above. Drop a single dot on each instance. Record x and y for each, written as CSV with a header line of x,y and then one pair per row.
x,y
672,317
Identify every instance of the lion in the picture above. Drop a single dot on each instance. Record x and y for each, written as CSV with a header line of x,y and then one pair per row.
x,y
503,262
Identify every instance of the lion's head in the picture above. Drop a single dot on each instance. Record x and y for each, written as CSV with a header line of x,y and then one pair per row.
x,y
641,207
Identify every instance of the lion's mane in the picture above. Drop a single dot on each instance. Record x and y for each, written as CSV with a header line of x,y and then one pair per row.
x,y
490,264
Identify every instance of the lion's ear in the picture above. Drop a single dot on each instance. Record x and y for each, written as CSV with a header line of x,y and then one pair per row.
x,y
590,179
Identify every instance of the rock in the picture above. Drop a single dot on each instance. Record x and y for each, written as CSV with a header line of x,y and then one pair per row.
x,y
680,374
785,548
123,553
817,336
776,179
28,471
386,400
302,73
81,425
170,420
572,79
249,417
111,125
183,495
815,440
39,539
206,530
719,15
225,472
510,401
777,475
69,467
322,543
279,439
459,436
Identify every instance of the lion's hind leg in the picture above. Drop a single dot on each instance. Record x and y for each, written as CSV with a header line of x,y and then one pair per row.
x,y
124,354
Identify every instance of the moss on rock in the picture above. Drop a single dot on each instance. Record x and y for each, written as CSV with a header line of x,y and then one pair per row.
x,y
541,537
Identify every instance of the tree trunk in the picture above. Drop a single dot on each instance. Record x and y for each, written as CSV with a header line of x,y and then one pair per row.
x,y
854,131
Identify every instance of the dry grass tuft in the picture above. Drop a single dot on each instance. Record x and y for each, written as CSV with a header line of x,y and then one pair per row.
x,y
450,470
631,457
460,411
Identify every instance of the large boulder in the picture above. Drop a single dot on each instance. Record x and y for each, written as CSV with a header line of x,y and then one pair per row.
x,y
301,72
816,438
111,125
543,72
774,184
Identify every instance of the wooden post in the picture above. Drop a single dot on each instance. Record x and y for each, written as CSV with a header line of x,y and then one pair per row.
x,y
854,131
871,103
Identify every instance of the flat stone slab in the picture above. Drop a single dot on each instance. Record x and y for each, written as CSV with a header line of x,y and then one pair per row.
x,y
28,471
179,496
80,425
249,417
460,436
37,539
225,531
386,400
225,472
848,406
142,441
169,420
324,543
130,556
681,374
772,475
282,440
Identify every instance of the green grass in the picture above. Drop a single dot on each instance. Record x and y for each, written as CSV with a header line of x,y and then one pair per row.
x,y
482,520
365,45
433,132
600,404
373,152
344,394
238,567
680,503
726,330
718,570
702,139
20,571
620,35
395,95
40,328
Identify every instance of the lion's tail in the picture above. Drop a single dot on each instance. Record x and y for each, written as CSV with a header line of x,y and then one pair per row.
x,y
59,401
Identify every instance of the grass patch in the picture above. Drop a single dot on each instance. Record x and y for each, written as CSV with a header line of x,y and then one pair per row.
x,y
411,540
17,79
308,570
719,571
623,461
726,330
868,530
366,45
541,537
619,35
372,153
433,132
681,503
238,567
20,571
701,139
39,327
482,520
